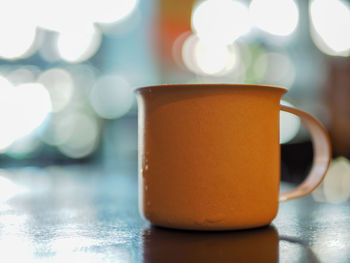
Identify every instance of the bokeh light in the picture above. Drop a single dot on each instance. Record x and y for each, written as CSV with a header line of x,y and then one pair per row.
x,y
78,46
58,130
23,147
330,23
22,75
111,97
277,17
124,26
289,124
84,76
32,106
177,48
66,15
22,109
275,69
188,57
82,136
6,138
16,41
336,185
111,11
220,21
214,59
63,15
60,86
208,58
74,21
17,29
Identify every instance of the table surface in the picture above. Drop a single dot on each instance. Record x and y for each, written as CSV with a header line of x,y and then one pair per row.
x,y
87,213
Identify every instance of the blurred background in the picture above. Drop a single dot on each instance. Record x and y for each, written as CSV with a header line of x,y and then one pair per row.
x,y
68,70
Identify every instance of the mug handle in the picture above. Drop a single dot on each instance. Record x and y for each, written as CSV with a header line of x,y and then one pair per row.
x,y
322,155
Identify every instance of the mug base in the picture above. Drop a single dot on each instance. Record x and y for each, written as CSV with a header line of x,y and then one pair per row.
x,y
197,227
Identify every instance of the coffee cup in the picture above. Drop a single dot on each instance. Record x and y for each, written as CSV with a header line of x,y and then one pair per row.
x,y
209,155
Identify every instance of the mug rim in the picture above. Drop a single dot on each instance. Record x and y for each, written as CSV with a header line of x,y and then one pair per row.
x,y
167,85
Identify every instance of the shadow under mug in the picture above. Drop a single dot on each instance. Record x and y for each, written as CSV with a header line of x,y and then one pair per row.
x,y
166,245
209,155
254,245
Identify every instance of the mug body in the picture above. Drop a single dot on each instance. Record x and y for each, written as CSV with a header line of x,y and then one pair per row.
x,y
209,155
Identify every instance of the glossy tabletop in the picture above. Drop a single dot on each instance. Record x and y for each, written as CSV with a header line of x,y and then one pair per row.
x,y
90,214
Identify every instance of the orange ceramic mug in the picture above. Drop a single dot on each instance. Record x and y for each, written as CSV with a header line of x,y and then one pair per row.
x,y
209,155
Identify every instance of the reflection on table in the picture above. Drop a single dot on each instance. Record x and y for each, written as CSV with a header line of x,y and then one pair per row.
x,y
164,245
